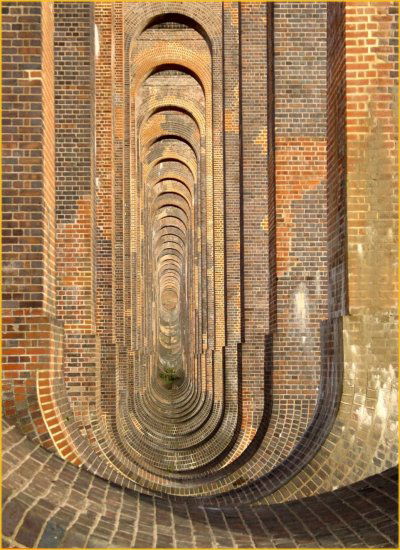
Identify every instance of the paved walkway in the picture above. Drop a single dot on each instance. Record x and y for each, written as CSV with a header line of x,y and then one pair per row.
x,y
49,503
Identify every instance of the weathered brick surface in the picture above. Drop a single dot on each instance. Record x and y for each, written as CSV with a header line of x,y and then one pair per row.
x,y
362,47
199,251
300,210
254,222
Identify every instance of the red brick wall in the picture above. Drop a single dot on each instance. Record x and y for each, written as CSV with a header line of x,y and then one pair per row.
x,y
28,160
253,33
31,336
74,54
362,221
300,204
256,178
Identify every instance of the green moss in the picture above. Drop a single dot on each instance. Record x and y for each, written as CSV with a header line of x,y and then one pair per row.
x,y
170,374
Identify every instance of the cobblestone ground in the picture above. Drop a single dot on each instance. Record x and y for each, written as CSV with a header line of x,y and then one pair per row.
x,y
49,503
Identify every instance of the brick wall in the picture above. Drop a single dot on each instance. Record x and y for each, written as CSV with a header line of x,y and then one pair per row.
x,y
239,159
75,199
31,335
336,162
362,214
299,211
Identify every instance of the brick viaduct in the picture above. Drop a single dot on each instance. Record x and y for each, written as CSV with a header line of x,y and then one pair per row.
x,y
199,274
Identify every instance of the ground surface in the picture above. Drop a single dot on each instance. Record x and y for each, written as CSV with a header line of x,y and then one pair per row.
x,y
48,503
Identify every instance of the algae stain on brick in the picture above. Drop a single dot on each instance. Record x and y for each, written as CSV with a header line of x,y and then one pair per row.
x,y
375,263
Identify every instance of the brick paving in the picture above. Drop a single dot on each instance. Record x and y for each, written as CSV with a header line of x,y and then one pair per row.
x,y
200,273
49,503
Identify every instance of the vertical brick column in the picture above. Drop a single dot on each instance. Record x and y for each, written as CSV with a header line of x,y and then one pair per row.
x,y
369,332
104,170
362,81
253,66
126,198
74,57
300,195
371,80
336,162
232,171
218,192
233,205
272,294
32,337
117,136
121,266
105,289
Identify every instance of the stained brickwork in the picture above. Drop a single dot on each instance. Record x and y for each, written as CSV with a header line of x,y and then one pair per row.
x,y
361,48
199,272
300,175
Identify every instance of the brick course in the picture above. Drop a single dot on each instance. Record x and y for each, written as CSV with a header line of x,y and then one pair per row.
x,y
199,259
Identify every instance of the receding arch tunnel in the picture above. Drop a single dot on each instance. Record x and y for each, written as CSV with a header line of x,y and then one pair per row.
x,y
194,236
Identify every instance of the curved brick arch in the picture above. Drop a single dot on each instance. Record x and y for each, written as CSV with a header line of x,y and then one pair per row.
x,y
160,73
175,179
173,199
173,186
168,220
170,237
171,17
147,146
250,234
170,155
173,212
169,254
173,170
169,246
202,15
169,103
165,147
147,62
173,231
174,267
163,120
